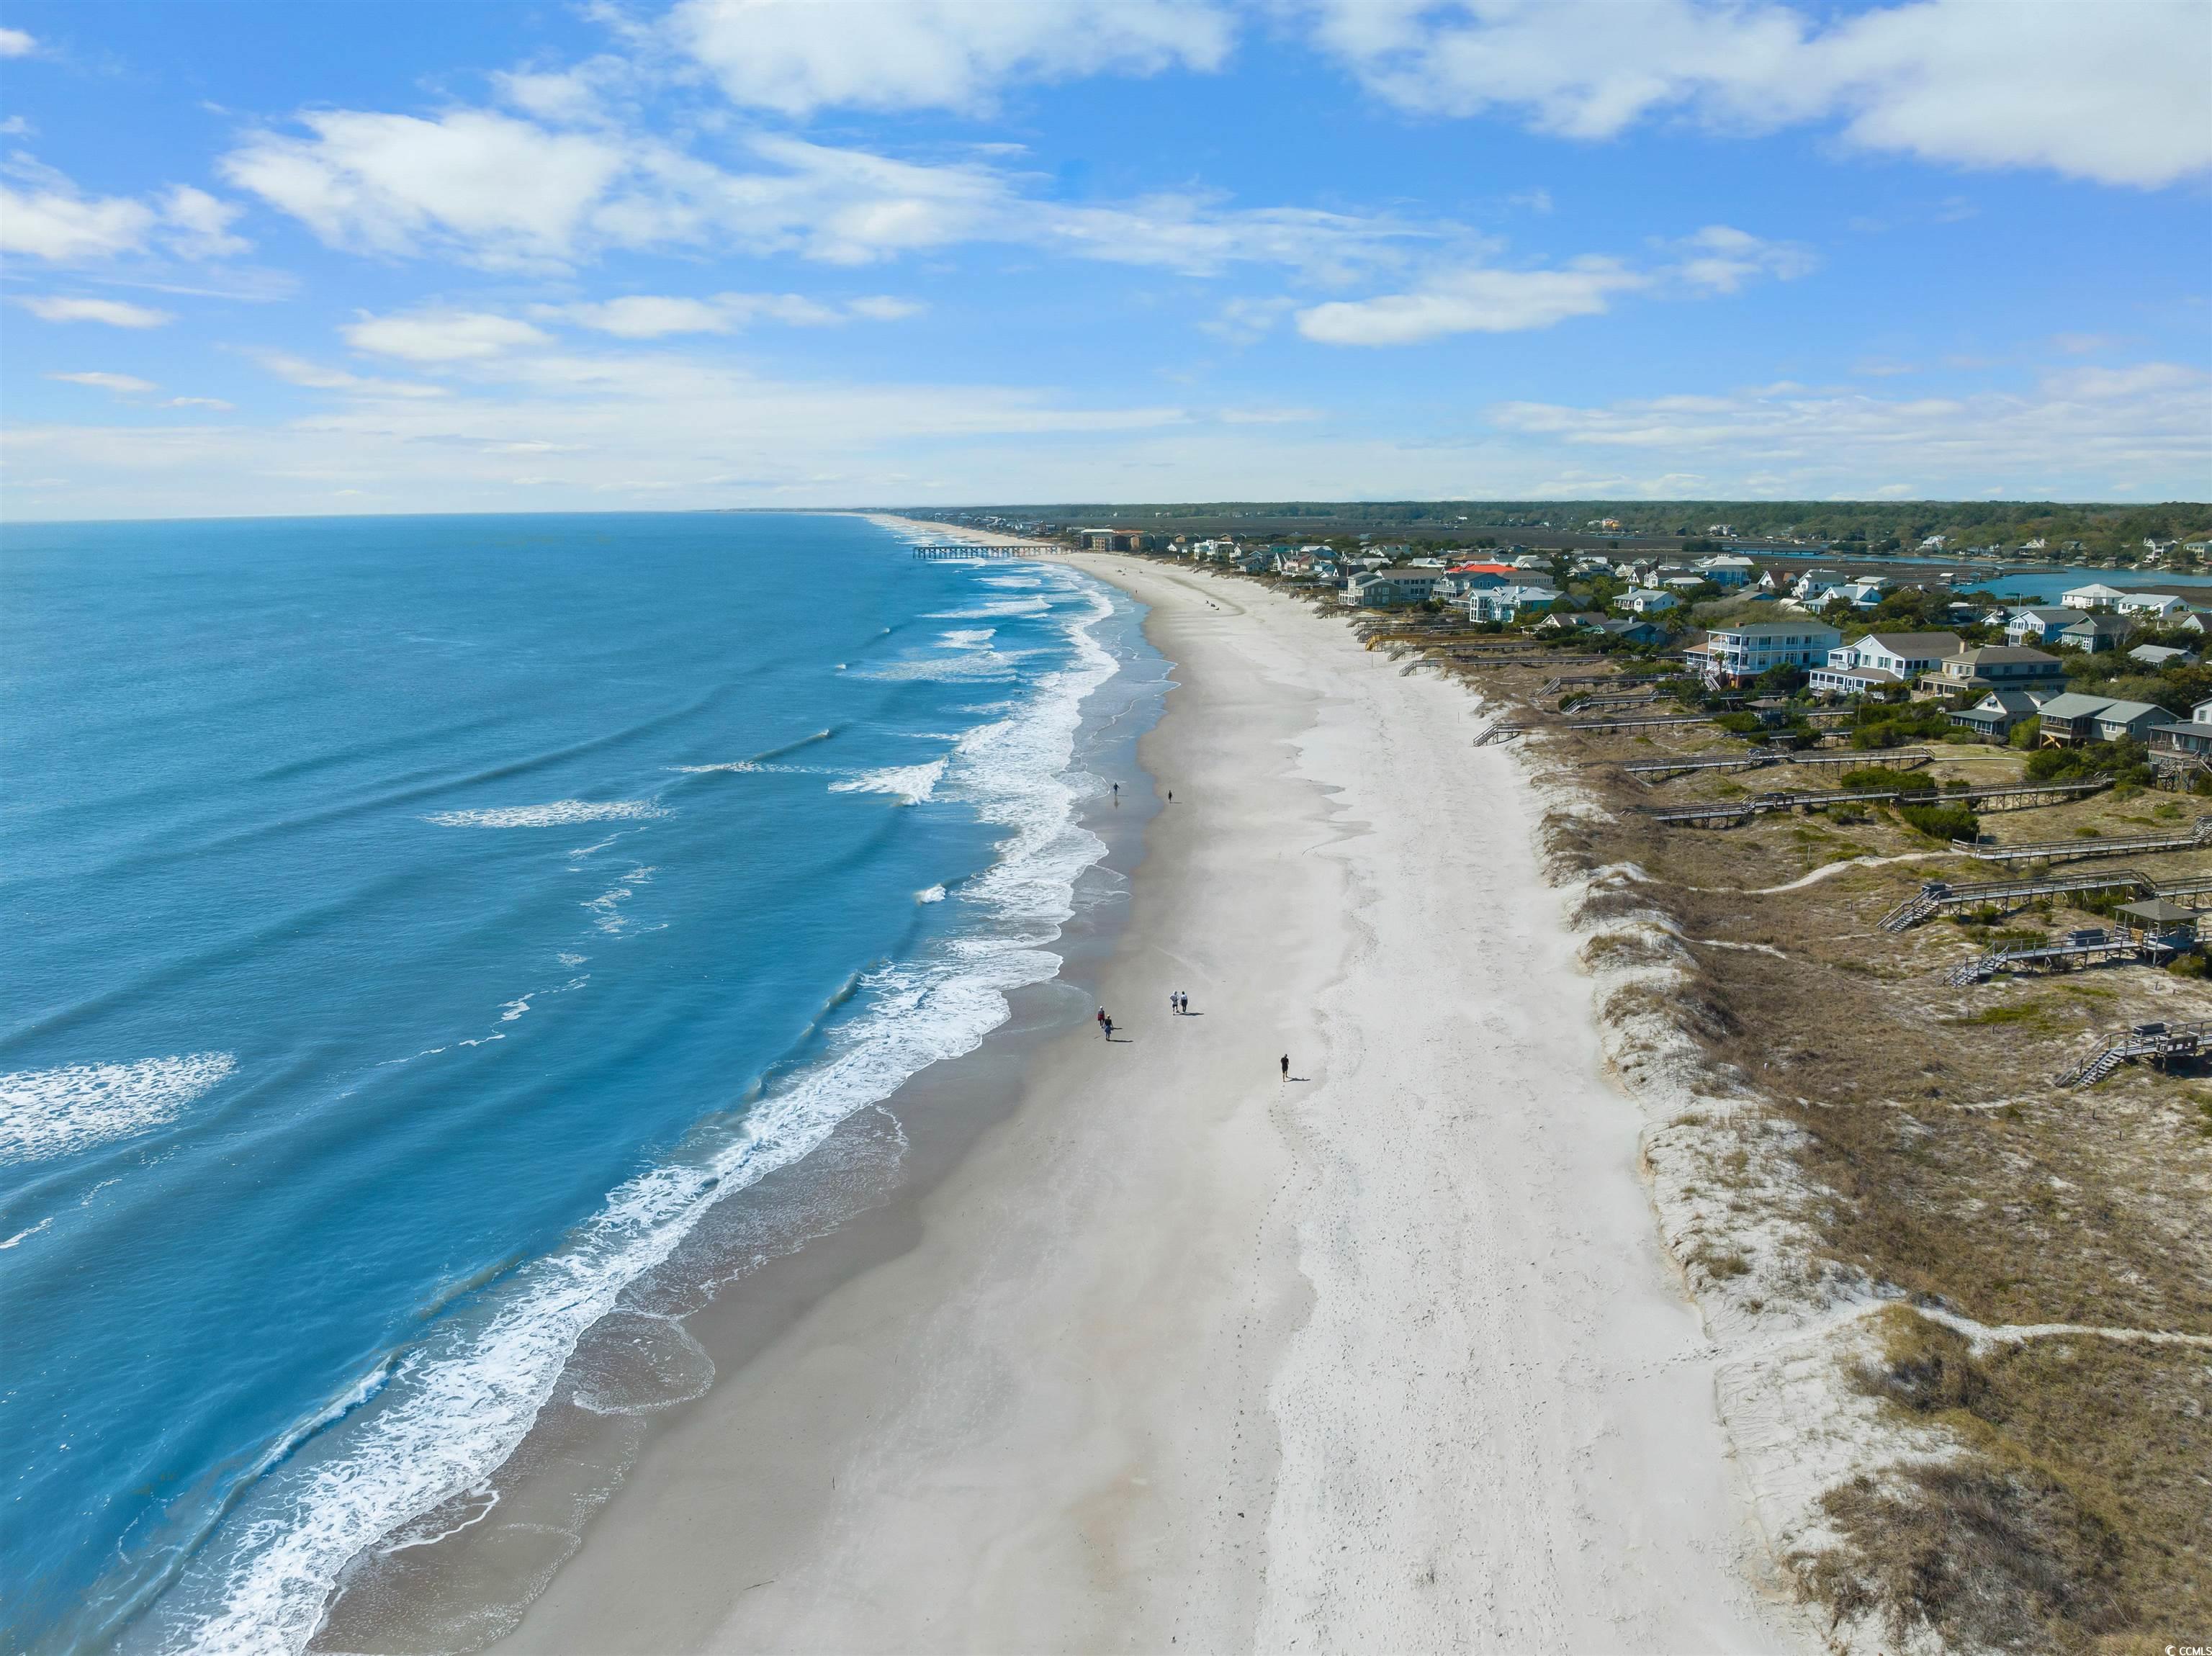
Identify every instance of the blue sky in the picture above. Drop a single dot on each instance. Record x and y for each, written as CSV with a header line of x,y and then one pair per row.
x,y
326,257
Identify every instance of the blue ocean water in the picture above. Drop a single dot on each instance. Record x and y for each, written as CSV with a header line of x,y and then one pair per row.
x,y
413,925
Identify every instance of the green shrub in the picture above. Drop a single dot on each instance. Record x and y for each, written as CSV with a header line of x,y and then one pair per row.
x,y
1944,823
1866,779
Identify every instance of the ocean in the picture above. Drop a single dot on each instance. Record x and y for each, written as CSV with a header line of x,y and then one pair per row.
x,y
416,928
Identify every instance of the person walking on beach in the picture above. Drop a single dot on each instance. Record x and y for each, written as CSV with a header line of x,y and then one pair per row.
x,y
1172,1007
1109,1029
1102,1017
1287,1066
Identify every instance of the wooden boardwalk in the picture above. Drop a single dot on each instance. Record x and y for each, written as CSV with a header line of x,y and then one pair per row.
x,y
2065,850
2161,1043
2015,796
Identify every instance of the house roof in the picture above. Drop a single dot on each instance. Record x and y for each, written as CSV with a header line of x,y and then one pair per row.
x,y
2098,589
2005,652
1775,629
2011,702
2050,616
2073,705
1916,644
2157,654
2102,626
2159,911
1869,675
2126,712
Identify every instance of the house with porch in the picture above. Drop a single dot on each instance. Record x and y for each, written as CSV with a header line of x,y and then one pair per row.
x,y
2033,625
1744,650
2069,720
1378,589
1998,714
1994,667
2176,746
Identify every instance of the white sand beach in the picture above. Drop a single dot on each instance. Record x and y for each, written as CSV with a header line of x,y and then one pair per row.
x,y
1186,1356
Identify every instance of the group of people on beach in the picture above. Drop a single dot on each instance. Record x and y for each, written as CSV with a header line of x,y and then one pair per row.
x,y
1178,1003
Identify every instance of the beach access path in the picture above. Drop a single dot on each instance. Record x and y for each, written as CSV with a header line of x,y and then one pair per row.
x,y
1186,1357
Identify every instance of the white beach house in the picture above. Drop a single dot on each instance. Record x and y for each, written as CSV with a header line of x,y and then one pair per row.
x,y
1897,657
1745,650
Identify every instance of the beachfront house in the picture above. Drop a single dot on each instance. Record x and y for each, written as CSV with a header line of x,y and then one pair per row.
x,y
1848,682
1881,661
1744,650
2033,625
2096,634
1646,601
1506,603
1726,569
1628,631
2071,719
2095,595
2177,746
1379,589
1902,653
1578,621
1995,667
1994,717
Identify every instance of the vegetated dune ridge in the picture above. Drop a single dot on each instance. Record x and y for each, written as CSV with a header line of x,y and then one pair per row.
x,y
1189,1356
1963,1314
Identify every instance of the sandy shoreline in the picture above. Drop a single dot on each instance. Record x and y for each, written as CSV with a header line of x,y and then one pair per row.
x,y
1182,1356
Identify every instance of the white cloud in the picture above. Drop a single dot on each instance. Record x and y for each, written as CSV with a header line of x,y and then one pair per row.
x,y
63,228
649,316
115,313
441,336
885,307
1719,260
2118,93
13,43
500,193
2086,431
121,383
52,219
1472,301
199,403
314,376
199,225
503,190
797,56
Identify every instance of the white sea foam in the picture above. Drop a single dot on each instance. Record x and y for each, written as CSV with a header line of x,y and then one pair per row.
x,y
909,784
18,1237
515,1008
559,814
970,638
998,609
1012,581
606,908
458,1407
46,1113
934,895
